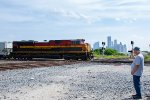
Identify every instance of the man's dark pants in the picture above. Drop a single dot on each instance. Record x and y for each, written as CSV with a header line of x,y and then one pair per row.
x,y
137,84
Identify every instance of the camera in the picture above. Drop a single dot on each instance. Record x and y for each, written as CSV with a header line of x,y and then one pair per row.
x,y
130,51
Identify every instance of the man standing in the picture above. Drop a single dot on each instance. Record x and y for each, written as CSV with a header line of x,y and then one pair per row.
x,y
136,71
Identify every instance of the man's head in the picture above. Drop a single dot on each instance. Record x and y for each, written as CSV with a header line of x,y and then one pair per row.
x,y
136,50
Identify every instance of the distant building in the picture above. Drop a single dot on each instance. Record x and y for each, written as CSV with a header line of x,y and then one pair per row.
x,y
120,47
109,42
115,42
114,45
96,45
124,48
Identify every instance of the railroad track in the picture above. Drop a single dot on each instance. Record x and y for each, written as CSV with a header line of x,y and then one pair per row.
x,y
34,59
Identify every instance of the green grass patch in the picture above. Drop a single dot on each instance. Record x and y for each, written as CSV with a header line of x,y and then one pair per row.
x,y
147,58
109,54
115,57
96,56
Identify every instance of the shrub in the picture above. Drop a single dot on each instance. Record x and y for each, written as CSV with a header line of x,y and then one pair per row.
x,y
108,52
98,51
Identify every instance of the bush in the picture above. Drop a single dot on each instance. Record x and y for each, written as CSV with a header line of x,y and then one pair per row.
x,y
98,51
108,52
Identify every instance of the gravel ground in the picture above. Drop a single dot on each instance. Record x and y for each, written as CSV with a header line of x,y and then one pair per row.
x,y
84,81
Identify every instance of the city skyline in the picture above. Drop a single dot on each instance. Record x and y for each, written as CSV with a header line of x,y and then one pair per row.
x,y
91,20
113,44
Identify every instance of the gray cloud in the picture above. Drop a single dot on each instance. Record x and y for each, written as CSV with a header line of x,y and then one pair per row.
x,y
90,11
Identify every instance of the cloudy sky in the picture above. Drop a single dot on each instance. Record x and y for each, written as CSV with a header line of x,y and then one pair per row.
x,y
93,20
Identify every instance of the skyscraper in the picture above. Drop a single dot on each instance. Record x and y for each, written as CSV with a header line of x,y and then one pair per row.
x,y
112,44
109,42
115,45
96,45
124,48
115,42
120,47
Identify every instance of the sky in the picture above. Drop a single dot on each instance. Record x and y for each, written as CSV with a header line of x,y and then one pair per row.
x,y
92,20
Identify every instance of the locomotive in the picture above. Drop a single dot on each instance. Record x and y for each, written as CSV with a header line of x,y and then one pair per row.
x,y
55,49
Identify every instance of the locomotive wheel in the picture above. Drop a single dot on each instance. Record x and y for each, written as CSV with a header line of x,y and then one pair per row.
x,y
29,58
84,58
75,58
67,58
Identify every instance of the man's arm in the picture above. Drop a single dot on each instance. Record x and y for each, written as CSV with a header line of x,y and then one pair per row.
x,y
134,69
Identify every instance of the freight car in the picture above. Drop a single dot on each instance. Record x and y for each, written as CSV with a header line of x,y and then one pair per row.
x,y
55,49
5,50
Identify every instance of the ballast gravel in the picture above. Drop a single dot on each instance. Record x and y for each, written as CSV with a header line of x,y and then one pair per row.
x,y
82,81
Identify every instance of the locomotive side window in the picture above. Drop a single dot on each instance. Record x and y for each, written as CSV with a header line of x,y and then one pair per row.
x,y
75,42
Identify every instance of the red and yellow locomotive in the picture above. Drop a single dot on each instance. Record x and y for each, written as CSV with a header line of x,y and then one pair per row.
x,y
55,49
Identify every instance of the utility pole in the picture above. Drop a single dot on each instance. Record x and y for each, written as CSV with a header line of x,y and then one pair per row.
x,y
103,43
99,51
132,53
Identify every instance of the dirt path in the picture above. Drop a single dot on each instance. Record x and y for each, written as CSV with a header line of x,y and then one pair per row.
x,y
10,65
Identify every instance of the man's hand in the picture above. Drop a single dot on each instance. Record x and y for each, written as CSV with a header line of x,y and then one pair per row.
x,y
132,72
134,69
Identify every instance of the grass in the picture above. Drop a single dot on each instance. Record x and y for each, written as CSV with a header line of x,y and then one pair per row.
x,y
110,56
115,57
147,58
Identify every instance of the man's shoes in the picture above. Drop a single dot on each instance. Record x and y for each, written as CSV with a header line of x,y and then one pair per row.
x,y
136,97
